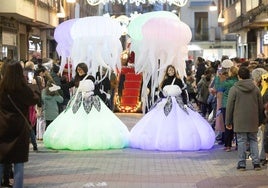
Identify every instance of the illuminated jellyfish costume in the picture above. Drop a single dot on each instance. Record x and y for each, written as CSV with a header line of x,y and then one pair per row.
x,y
87,123
93,40
169,125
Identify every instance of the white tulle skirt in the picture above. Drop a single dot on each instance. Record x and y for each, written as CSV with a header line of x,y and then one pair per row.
x,y
84,131
176,131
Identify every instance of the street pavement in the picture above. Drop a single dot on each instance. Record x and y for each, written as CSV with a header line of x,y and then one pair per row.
x,y
133,168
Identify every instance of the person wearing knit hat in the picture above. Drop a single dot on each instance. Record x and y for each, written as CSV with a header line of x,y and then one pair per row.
x,y
257,75
264,93
227,63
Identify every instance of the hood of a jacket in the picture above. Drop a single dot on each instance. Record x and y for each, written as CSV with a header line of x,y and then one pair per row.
x,y
246,85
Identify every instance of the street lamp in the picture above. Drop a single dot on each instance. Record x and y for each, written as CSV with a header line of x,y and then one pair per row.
x,y
213,6
61,12
179,3
94,2
221,18
76,7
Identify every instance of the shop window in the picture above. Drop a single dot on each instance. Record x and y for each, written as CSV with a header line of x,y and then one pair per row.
x,y
35,44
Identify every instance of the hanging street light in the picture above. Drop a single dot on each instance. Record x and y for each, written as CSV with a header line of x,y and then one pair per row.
x,y
179,3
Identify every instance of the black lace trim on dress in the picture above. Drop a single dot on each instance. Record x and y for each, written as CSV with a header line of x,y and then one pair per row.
x,y
87,101
77,102
168,106
91,101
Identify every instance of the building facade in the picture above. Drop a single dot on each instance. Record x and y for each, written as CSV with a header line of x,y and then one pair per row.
x,y
248,19
208,41
26,28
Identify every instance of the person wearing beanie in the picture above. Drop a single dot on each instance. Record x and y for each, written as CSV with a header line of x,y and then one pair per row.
x,y
227,63
257,75
219,79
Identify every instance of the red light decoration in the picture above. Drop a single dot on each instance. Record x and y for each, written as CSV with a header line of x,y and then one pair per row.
x,y
127,108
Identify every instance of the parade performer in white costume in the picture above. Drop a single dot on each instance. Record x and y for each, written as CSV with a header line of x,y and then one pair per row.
x,y
87,123
171,123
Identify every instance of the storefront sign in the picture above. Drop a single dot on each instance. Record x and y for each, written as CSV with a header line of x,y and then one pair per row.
x,y
9,39
265,38
221,46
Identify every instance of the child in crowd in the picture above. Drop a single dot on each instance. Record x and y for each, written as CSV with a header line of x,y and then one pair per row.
x,y
51,98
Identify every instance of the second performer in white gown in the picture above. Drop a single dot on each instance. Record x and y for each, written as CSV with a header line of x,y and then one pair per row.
x,y
171,125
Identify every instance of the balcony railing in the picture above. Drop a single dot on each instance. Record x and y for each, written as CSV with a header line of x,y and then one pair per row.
x,y
50,4
200,34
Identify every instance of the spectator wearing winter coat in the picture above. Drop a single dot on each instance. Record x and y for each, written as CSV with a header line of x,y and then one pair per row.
x,y
203,92
258,75
51,98
15,132
225,87
244,113
200,69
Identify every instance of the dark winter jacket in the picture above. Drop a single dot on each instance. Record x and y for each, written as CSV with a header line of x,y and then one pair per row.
x,y
200,70
203,90
169,80
104,85
244,108
14,132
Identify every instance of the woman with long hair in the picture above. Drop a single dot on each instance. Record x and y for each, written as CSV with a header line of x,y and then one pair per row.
x,y
171,125
86,123
15,98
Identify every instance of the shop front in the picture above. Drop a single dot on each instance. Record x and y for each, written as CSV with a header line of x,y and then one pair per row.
x,y
212,50
8,39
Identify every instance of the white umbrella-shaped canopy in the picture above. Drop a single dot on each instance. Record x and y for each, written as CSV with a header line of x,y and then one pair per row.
x,y
63,37
93,40
96,42
158,39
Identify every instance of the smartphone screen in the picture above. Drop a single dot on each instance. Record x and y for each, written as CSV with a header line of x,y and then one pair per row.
x,y
30,77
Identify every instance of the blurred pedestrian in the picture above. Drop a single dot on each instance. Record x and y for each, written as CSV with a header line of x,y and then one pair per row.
x,y
231,79
15,99
257,75
51,98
